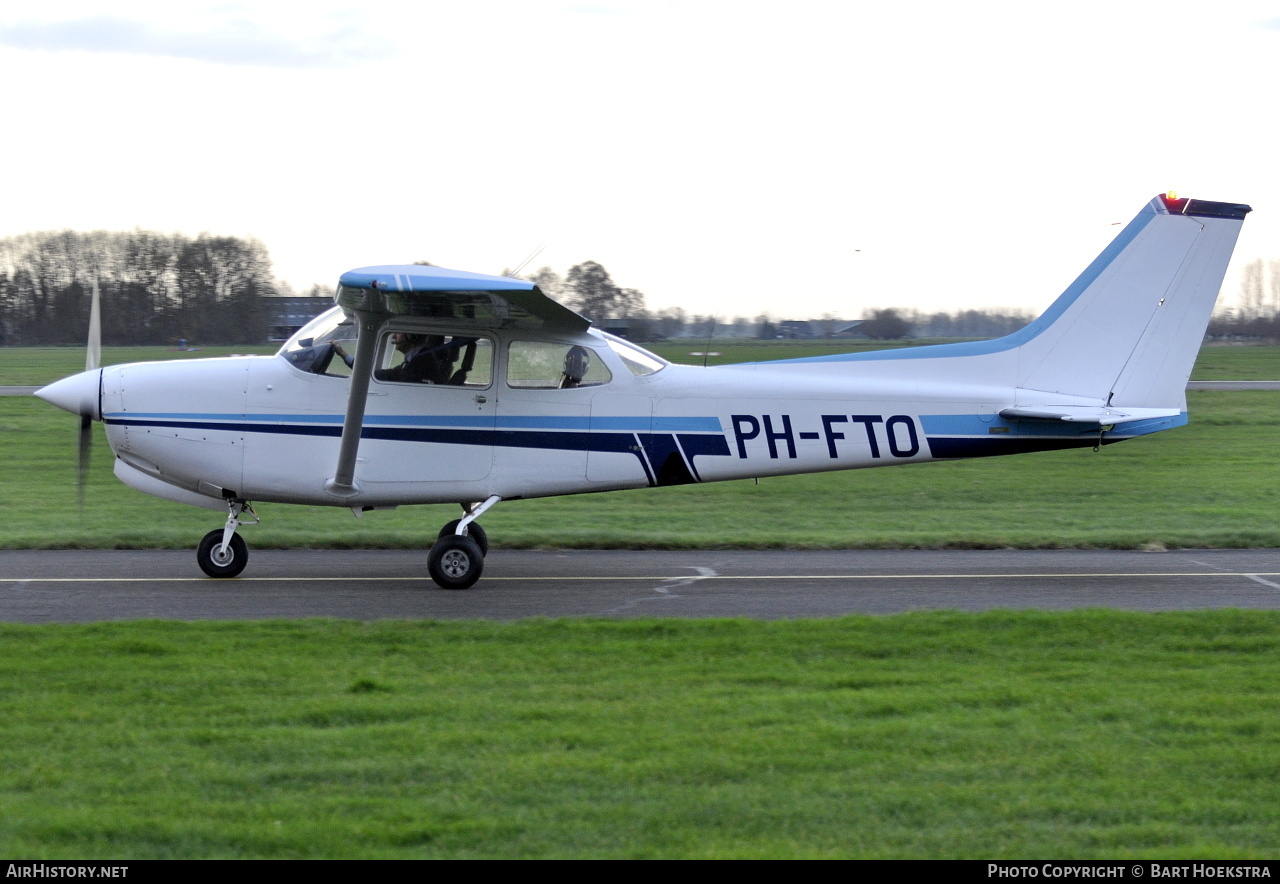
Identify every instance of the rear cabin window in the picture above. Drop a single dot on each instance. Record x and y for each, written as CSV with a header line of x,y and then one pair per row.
x,y
535,365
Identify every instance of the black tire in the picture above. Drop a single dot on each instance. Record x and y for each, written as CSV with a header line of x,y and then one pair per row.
x,y
474,531
229,563
455,562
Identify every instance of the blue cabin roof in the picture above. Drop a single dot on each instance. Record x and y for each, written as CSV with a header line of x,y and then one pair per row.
x,y
425,278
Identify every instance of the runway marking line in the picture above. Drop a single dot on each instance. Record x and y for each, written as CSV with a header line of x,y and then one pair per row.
x,y
1256,576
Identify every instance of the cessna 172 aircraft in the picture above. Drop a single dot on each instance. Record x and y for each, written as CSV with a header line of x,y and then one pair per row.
x,y
425,385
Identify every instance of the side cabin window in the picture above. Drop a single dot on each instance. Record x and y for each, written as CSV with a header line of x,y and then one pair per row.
x,y
450,360
535,365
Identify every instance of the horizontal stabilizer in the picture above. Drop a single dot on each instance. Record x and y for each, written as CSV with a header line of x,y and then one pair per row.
x,y
1086,414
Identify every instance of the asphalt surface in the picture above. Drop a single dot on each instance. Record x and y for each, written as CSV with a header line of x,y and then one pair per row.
x,y
85,586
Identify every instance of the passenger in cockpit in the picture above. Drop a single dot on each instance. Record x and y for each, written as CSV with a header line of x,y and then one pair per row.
x,y
575,367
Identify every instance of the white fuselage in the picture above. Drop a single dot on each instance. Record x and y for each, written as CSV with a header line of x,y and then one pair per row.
x,y
258,428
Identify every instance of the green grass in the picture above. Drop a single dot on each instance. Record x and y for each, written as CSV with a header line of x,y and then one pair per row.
x,y
997,735
1076,735
28,366
1215,483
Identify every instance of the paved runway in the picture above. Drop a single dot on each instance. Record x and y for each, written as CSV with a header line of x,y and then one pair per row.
x,y
84,586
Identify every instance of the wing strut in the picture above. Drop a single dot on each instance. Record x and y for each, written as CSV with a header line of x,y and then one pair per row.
x,y
369,321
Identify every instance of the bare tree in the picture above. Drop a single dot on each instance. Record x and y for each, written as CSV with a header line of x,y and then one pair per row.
x,y
1251,290
594,294
155,288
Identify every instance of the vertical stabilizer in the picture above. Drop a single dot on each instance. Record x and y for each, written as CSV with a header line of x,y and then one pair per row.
x,y
1127,331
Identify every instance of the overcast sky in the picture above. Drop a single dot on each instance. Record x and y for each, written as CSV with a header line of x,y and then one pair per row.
x,y
799,158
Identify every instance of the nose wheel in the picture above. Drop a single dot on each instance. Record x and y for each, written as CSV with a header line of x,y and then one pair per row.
x,y
222,552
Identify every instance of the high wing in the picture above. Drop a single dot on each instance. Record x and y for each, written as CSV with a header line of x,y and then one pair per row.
x,y
421,290
374,295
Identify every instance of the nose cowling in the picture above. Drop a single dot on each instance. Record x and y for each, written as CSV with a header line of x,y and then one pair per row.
x,y
79,394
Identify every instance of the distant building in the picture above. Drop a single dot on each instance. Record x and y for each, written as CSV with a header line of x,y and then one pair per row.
x,y
796,329
292,312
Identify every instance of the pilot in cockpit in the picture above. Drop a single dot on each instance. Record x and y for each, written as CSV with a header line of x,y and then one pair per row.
x,y
427,359
576,362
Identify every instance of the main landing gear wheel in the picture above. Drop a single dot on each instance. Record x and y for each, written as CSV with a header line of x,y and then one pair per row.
x,y
455,562
474,531
218,561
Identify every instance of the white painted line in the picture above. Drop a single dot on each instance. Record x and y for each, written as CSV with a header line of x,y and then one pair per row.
x,y
673,580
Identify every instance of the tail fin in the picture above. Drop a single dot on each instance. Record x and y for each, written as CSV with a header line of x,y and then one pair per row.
x,y
1124,334
1127,331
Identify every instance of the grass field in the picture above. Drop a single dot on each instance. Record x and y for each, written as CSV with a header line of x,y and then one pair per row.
x,y
1215,483
1032,735
27,366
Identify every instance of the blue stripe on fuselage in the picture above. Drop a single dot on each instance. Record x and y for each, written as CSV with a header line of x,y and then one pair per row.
x,y
626,435
639,423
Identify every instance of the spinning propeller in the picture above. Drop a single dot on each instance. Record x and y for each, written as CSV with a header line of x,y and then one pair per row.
x,y
92,361
79,393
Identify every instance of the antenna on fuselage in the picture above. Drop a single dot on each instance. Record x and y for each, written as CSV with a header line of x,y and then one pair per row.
x,y
706,351
535,253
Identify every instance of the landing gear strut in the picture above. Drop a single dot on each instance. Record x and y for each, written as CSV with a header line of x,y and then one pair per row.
x,y
222,552
456,561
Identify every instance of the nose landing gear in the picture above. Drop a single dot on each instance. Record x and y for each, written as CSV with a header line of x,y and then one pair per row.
x,y
222,552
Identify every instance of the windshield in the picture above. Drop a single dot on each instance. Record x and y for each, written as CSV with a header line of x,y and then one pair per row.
x,y
311,347
640,363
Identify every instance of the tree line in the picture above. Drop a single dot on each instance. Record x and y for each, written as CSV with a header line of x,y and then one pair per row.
x,y
162,288
154,288
589,289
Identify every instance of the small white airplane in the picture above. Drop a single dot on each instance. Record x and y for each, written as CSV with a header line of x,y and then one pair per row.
x,y
425,385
